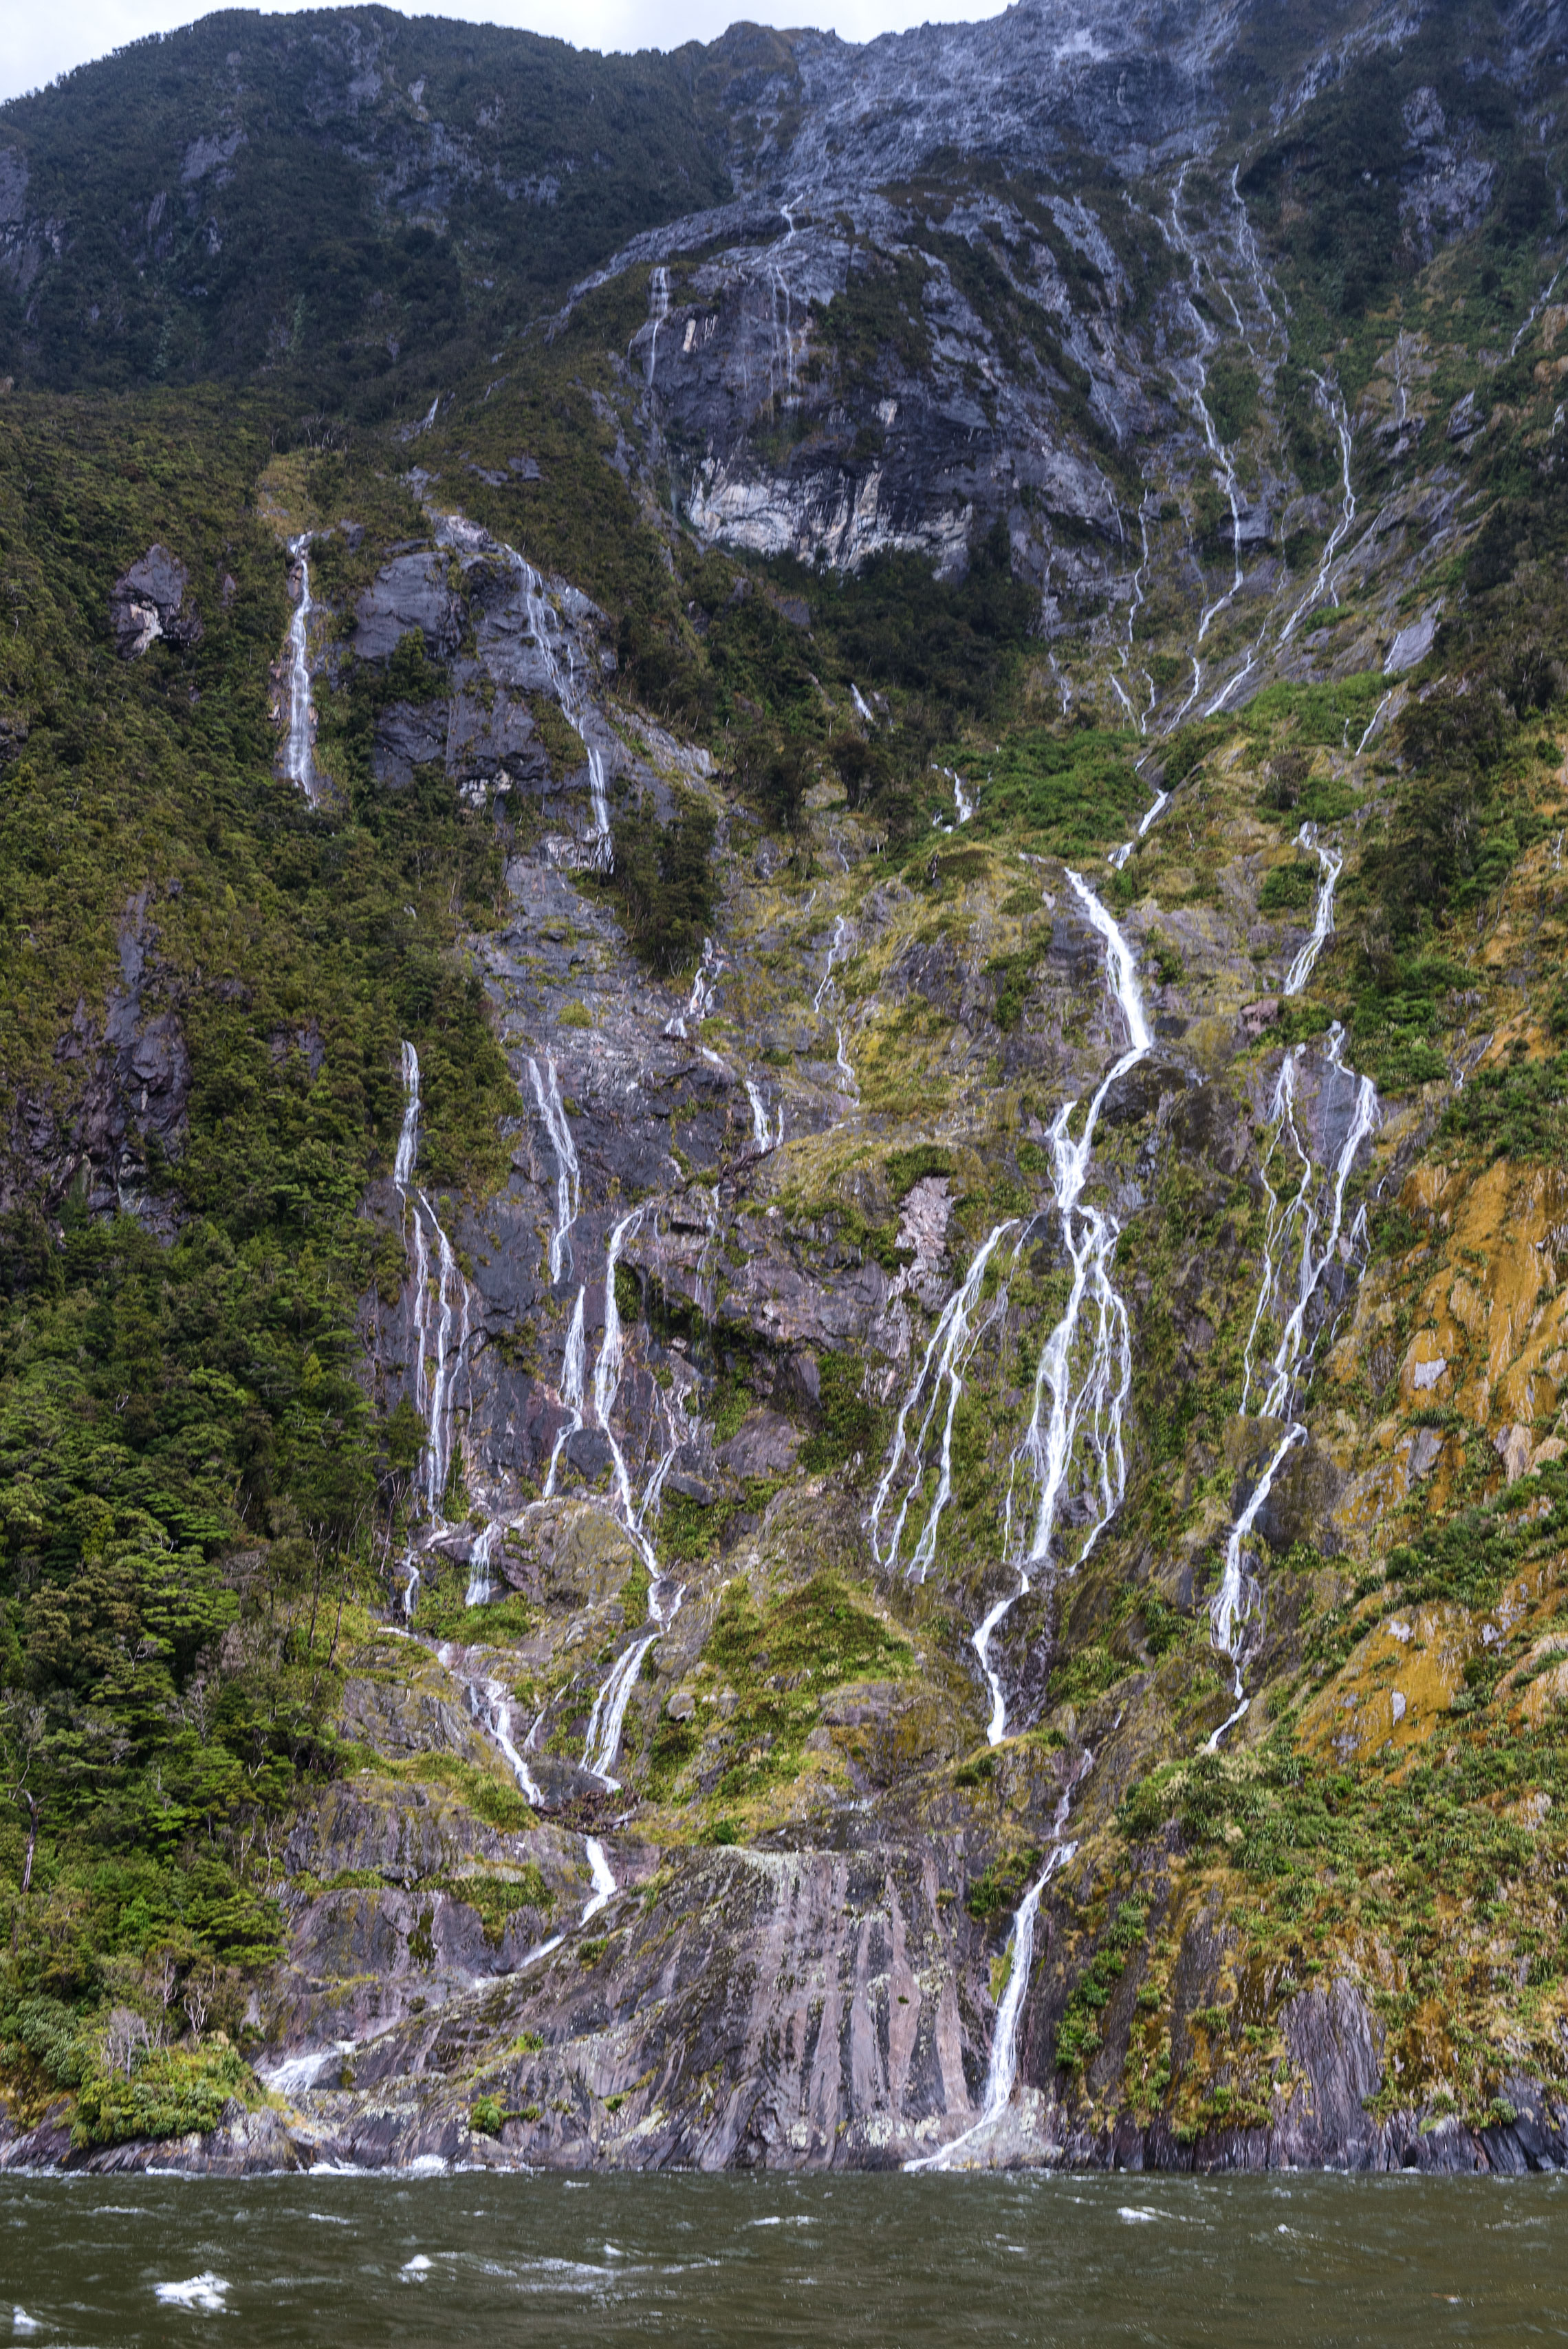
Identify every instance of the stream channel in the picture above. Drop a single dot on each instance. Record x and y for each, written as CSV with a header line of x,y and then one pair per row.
x,y
862,2259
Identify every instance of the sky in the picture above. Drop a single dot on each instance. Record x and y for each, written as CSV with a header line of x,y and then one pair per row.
x,y
41,42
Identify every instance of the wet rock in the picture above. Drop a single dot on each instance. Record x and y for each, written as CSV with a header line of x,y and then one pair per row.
x,y
408,593
407,735
148,601
1333,2043
398,1700
764,1444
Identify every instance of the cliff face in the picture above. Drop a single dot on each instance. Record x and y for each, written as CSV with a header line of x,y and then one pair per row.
x,y
972,1569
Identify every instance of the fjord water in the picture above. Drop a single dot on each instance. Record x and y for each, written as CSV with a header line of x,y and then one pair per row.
x,y
1273,2261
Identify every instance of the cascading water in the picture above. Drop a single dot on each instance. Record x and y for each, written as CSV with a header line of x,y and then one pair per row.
x,y
1061,1409
481,1589
1233,1603
1091,1238
299,758
597,853
608,1716
568,1176
437,1307
1001,2070
842,1064
835,954
1195,389
764,1139
573,1371
1330,865
699,1003
1329,397
951,1343
658,310
439,1424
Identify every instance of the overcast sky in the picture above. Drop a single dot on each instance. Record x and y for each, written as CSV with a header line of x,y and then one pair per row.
x,y
41,42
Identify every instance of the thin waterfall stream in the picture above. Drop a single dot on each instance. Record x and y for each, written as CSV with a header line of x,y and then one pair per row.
x,y
1294,1218
1061,1408
299,755
1002,2069
438,1306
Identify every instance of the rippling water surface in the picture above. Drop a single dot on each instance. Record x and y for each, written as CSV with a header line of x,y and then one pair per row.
x,y
344,2259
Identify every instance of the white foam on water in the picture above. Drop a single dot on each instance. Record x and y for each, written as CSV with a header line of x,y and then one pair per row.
x,y
205,2292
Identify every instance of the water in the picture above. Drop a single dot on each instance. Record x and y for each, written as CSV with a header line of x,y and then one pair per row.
x,y
1090,1235
299,759
1290,1222
947,1354
1330,865
1001,2070
573,1368
1051,2262
1329,398
763,1138
436,1350
568,1176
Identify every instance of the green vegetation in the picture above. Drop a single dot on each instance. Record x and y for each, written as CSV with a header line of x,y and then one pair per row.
x,y
275,251
781,1660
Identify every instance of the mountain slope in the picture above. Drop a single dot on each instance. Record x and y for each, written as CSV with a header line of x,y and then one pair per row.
x,y
785,1331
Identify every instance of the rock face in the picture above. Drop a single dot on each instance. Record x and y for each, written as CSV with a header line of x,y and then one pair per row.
x,y
148,601
928,1410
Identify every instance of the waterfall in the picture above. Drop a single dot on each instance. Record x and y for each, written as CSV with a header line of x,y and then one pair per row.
x,y
858,698
572,1370
761,1138
568,1177
835,951
1288,1357
408,1137
490,1706
607,1720
599,850
1377,714
481,1588
612,1356
1001,2070
1330,400
1330,866
951,1346
1229,1607
843,1065
658,310
603,1882
438,1438
1224,464
1232,1606
962,801
434,1316
1089,1236
299,763
700,1001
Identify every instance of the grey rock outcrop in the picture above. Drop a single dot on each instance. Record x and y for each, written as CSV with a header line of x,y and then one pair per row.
x,y
147,601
